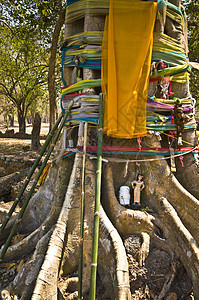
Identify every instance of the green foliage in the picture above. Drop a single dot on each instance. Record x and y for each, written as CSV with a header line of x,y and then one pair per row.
x,y
26,29
37,14
192,10
23,67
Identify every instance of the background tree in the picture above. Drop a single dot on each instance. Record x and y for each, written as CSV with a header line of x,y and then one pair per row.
x,y
59,10
44,19
23,69
8,111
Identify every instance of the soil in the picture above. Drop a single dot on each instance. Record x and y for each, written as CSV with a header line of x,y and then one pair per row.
x,y
11,142
146,282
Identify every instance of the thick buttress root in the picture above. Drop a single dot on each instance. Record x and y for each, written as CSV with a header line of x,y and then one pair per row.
x,y
110,245
114,259
181,241
44,222
176,215
160,182
24,281
46,285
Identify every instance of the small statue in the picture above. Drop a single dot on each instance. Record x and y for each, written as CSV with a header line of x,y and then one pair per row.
x,y
138,186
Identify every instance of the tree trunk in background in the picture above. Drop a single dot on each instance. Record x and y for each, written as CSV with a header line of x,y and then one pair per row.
x,y
22,122
11,121
52,64
35,141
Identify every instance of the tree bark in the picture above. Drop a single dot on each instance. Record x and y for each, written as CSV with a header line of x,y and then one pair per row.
x,y
52,64
11,120
46,285
35,138
22,122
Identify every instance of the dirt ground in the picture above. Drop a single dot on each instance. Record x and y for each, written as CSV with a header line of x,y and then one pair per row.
x,y
15,145
44,128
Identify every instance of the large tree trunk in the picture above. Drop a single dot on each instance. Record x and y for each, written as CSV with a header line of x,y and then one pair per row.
x,y
130,241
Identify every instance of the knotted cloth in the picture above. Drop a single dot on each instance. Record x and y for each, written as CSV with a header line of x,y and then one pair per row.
x,y
126,60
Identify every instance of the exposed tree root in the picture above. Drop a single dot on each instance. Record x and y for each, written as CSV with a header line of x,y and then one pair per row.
x,y
161,183
181,242
144,250
46,285
168,283
71,284
28,244
71,251
127,222
73,296
36,212
24,282
113,257
52,192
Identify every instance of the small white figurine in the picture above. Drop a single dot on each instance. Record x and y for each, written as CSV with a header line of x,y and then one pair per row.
x,y
138,186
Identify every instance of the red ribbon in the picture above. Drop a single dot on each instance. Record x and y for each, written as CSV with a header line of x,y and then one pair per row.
x,y
170,93
159,79
139,144
181,160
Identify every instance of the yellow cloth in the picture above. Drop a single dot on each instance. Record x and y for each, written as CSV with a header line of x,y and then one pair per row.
x,y
126,60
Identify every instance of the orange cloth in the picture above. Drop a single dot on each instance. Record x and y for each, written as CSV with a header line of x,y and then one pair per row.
x,y
126,60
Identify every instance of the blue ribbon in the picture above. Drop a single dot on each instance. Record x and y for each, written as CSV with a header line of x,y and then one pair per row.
x,y
69,2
